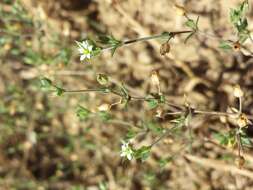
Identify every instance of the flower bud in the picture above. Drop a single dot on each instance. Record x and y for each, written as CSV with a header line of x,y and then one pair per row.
x,y
102,79
165,48
242,121
236,46
180,10
104,107
237,91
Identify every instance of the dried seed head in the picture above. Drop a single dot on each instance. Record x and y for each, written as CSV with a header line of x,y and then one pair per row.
x,y
73,157
240,161
243,121
104,107
180,10
237,91
236,46
155,79
102,79
159,113
165,48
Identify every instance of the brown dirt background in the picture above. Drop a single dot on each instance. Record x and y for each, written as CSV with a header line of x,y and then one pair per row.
x,y
80,155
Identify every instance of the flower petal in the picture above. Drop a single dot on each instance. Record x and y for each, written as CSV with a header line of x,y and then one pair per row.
x,y
88,56
82,57
90,48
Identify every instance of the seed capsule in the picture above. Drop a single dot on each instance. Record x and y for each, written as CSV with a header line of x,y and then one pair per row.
x,y
240,161
236,46
242,121
165,48
238,91
180,10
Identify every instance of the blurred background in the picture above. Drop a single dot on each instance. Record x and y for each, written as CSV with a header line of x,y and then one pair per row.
x,y
44,145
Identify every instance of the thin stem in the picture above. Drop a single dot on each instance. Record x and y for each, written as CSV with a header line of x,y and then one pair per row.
x,y
86,90
163,35
168,34
164,135
181,109
240,105
213,113
239,143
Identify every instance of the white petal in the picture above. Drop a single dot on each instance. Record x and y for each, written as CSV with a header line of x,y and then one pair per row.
x,y
123,154
88,56
80,50
90,48
85,44
82,57
129,157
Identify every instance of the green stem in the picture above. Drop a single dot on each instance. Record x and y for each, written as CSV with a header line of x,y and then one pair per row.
x,y
163,35
181,109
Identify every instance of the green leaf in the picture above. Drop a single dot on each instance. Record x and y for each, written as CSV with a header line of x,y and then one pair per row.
x,y
82,113
96,51
130,134
188,37
104,116
225,45
45,83
243,36
238,19
164,161
143,153
59,91
125,94
246,141
222,139
114,49
226,139
103,186
179,122
64,55
152,103
154,127
192,24
109,40
162,99
102,79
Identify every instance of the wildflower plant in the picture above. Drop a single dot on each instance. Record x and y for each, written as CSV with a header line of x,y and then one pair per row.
x,y
87,49
126,151
182,114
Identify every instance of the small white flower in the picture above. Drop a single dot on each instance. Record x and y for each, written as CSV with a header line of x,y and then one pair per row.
x,y
85,50
126,151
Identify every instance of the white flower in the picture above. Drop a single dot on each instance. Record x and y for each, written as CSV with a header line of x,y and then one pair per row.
x,y
85,50
126,151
